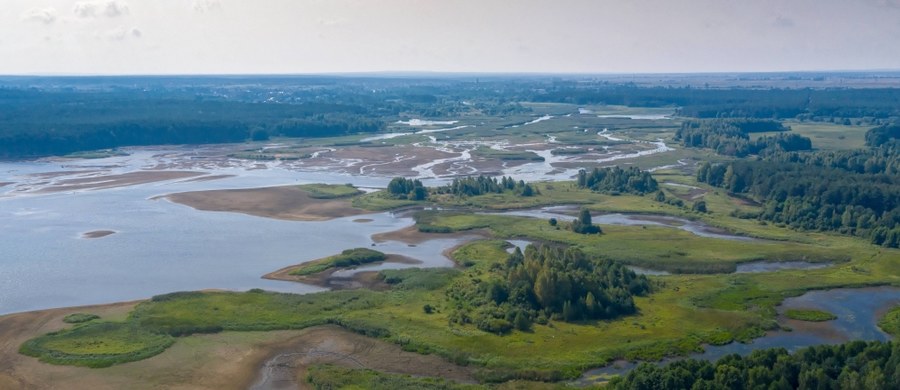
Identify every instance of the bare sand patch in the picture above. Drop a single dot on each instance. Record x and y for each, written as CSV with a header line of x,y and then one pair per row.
x,y
327,279
363,220
208,178
288,202
119,180
97,234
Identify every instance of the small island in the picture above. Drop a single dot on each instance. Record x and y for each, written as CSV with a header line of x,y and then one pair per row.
x,y
321,272
97,234
809,315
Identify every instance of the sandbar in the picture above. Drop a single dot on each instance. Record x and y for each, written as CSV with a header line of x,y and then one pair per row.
x,y
287,202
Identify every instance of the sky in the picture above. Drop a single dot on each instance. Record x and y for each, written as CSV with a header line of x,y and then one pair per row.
x,y
539,36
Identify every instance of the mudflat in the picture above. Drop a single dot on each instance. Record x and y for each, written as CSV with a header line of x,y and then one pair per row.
x,y
286,202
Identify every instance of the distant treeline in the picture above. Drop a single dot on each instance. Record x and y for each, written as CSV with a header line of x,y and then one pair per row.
x,y
39,123
731,137
736,102
546,283
854,365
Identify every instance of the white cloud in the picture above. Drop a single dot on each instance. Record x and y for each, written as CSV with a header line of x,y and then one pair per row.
x,y
120,33
42,15
92,9
203,6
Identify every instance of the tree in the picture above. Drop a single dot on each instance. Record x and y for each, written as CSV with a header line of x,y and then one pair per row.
x,y
660,196
699,206
584,225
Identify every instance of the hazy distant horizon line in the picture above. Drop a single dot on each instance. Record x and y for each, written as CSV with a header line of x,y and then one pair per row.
x,y
389,73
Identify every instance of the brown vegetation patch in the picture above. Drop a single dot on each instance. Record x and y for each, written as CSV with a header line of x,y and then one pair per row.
x,y
288,203
286,366
227,360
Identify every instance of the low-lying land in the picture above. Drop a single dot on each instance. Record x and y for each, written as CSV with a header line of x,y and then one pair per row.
x,y
296,203
414,309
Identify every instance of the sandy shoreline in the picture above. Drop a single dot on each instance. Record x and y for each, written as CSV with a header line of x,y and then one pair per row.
x,y
285,202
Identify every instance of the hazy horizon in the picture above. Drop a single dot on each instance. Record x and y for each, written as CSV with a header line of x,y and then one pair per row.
x,y
334,37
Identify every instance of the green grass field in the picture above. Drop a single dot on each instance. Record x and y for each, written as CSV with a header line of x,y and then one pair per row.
x,y
828,136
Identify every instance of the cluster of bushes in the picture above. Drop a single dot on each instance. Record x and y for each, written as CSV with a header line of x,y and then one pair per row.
x,y
617,180
402,188
545,283
730,137
584,225
855,365
481,184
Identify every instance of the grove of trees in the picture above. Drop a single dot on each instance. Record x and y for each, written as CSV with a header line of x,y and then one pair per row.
x,y
854,365
545,283
616,180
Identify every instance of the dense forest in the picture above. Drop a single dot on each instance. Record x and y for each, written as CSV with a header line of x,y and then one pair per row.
x,y
47,116
882,135
855,365
731,137
801,103
800,193
480,185
37,123
546,283
617,180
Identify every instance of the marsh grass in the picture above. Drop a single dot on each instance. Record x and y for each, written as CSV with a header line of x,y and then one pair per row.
x,y
330,191
809,315
890,322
